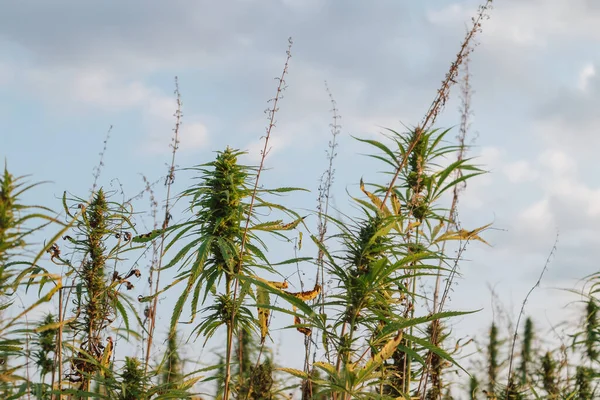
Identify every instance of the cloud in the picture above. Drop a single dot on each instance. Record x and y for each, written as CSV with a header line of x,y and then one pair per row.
x,y
520,171
533,200
570,117
558,163
111,56
105,91
586,73
83,91
529,22
537,218
194,136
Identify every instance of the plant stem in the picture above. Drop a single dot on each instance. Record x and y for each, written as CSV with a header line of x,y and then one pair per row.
x,y
168,182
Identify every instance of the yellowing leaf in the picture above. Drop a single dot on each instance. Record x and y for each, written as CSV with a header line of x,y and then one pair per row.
x,y
464,234
395,203
436,229
292,224
275,284
306,331
398,211
412,226
294,372
278,285
307,295
330,369
386,352
374,199
262,297
106,355
54,325
302,329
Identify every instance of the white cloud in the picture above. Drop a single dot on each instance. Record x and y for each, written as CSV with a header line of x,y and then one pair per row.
x,y
538,217
449,15
100,90
491,157
527,24
106,91
586,73
539,20
193,136
275,145
477,194
93,87
558,162
520,171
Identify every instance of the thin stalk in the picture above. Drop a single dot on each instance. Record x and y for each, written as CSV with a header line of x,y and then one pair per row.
x,y
170,179
516,332
408,359
27,352
264,152
466,112
325,193
98,168
59,341
407,373
155,247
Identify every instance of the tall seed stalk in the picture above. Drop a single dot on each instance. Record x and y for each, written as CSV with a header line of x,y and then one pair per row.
x,y
522,311
323,201
169,180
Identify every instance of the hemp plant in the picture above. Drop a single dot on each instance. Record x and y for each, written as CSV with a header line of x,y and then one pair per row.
x,y
212,262
102,234
383,254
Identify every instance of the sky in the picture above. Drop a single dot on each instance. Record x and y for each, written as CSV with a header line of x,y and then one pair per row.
x,y
69,70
